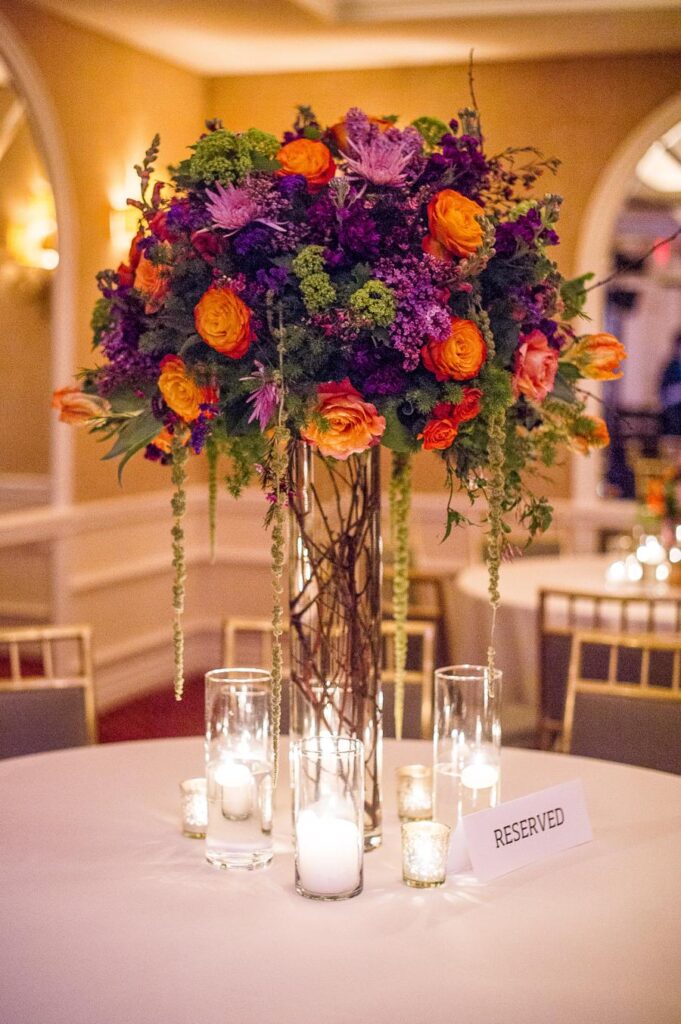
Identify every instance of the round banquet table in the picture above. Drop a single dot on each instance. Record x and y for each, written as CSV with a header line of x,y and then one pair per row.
x,y
469,615
111,916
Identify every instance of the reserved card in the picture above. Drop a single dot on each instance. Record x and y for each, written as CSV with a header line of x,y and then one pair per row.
x,y
521,831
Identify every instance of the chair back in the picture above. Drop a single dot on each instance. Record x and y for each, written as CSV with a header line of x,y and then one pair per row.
x,y
47,697
249,642
562,612
624,699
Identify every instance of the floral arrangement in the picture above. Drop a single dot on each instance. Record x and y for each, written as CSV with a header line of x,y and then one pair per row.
x,y
359,284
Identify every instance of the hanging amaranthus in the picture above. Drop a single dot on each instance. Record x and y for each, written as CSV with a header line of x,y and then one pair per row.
x,y
212,455
400,502
179,455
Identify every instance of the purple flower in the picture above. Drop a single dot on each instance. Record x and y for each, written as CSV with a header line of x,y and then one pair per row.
x,y
357,232
252,241
234,208
292,185
390,157
264,399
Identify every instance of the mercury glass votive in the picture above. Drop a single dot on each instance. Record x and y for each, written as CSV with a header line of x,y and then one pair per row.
x,y
414,792
425,846
194,808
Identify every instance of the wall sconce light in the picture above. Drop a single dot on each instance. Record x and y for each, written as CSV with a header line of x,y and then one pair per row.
x,y
32,230
123,219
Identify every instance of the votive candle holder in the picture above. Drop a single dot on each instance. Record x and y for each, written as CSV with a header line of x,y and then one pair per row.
x,y
425,847
414,792
194,802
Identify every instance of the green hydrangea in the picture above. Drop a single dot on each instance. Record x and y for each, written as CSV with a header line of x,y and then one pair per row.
x,y
309,260
261,143
376,302
221,156
318,292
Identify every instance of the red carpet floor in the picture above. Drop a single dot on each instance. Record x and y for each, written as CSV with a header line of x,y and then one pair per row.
x,y
156,715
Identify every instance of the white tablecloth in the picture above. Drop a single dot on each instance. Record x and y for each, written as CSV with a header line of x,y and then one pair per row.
x,y
110,916
469,614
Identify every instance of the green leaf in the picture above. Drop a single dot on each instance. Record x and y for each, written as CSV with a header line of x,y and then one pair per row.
x,y
133,435
397,436
562,390
573,294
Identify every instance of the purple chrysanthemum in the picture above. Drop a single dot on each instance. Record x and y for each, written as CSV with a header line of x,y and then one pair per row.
x,y
391,157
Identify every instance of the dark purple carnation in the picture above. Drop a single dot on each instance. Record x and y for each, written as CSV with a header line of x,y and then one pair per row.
x,y
357,232
292,185
253,241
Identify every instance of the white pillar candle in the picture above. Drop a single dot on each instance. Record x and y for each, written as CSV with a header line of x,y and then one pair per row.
x,y
479,775
328,853
236,788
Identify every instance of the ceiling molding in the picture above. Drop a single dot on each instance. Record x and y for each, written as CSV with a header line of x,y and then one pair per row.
x,y
358,11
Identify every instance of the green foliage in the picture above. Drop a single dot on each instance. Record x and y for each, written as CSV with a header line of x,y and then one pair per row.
x,y
376,302
431,129
100,320
573,294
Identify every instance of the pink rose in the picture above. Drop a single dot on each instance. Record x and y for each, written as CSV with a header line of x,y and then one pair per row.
x,y
534,366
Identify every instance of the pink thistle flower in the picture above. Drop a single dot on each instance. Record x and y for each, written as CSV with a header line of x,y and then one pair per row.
x,y
381,157
234,208
264,399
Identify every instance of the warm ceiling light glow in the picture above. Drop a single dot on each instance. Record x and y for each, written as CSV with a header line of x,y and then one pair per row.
x,y
32,229
660,167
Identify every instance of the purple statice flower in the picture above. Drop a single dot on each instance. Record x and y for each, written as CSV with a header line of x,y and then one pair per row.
x,y
127,366
357,232
391,157
252,241
184,216
525,230
265,398
292,186
386,381
272,278
200,428
322,216
533,305
422,311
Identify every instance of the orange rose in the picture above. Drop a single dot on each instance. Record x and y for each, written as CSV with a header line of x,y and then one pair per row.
x,y
452,220
224,322
590,432
460,356
354,425
181,392
311,159
340,132
597,356
77,408
152,280
164,441
534,367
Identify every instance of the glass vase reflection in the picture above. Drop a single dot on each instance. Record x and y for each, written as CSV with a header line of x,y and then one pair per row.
x,y
466,742
238,770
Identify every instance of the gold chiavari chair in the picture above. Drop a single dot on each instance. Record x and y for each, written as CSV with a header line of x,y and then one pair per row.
x,y
426,603
562,612
252,639
47,696
626,705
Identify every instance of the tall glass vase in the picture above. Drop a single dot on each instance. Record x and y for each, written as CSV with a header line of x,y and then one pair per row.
x,y
335,609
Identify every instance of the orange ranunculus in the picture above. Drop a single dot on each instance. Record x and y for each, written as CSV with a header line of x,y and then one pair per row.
x,y
224,321
597,356
452,220
354,425
77,408
340,131
460,356
441,430
534,367
592,432
181,392
152,280
310,158
164,441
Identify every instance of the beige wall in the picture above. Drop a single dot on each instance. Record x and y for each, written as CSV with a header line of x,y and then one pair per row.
x,y
111,99
24,319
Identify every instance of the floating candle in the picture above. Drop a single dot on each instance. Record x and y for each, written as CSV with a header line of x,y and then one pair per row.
x,y
236,788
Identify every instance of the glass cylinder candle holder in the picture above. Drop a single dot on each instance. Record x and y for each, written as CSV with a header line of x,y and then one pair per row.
x,y
194,805
238,769
466,741
425,846
414,792
328,815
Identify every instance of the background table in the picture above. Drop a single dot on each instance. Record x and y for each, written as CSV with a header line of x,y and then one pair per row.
x,y
469,615
111,916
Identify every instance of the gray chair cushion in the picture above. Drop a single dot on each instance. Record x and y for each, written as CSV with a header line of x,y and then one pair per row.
x,y
35,720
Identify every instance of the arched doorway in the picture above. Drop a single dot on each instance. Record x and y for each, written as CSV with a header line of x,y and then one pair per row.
x,y
595,244
43,119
